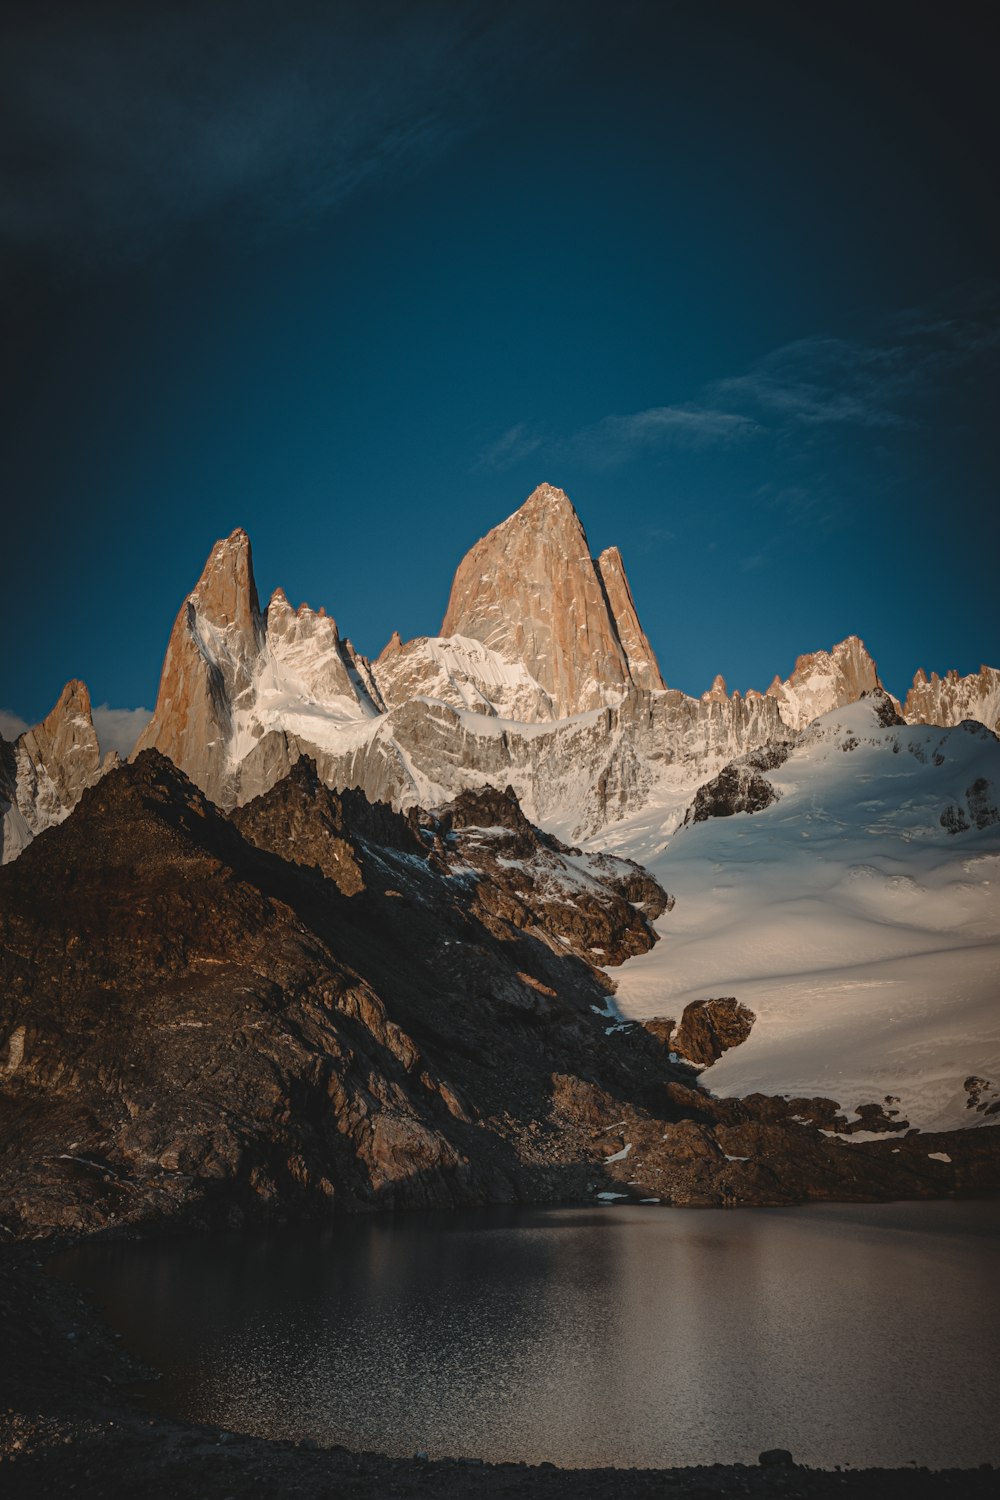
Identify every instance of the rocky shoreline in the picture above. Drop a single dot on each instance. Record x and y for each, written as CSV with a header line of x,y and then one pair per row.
x,y
70,1425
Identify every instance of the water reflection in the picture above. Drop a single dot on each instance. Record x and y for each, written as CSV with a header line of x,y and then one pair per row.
x,y
863,1335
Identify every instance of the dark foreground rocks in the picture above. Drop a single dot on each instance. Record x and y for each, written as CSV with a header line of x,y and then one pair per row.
x,y
68,1427
321,1006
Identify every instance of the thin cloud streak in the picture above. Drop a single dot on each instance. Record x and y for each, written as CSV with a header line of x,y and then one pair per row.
x,y
509,448
818,382
690,426
616,439
797,391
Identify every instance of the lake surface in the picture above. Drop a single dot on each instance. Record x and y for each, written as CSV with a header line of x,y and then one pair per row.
x,y
629,1336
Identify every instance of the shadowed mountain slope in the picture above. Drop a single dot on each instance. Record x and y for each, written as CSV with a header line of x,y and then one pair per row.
x,y
324,1005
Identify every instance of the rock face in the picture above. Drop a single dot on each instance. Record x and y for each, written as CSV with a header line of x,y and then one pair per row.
x,y
212,1028
542,678
825,680
739,788
324,1006
981,808
237,682
46,769
210,667
642,664
708,1028
531,592
950,699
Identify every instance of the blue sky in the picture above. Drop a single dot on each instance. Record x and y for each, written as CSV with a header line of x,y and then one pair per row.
x,y
358,278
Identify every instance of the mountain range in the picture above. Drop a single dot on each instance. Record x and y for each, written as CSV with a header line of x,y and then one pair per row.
x,y
541,677
280,956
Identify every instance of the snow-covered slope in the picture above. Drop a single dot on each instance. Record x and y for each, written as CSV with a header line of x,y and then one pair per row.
x,y
462,671
858,916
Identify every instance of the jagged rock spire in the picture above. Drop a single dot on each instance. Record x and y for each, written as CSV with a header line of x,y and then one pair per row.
x,y
531,592
950,699
639,653
236,680
824,680
45,771
210,661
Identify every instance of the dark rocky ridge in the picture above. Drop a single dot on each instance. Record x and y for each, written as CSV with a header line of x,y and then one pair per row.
x,y
321,1005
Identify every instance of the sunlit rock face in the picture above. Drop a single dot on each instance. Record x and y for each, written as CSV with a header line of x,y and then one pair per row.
x,y
209,669
825,680
950,699
642,664
238,683
542,678
45,770
531,592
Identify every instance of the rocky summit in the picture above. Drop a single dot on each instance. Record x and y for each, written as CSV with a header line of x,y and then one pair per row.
x,y
531,592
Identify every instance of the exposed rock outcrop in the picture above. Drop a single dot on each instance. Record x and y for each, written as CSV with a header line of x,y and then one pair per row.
x,y
708,1028
738,788
209,669
642,664
950,699
980,810
213,1029
824,680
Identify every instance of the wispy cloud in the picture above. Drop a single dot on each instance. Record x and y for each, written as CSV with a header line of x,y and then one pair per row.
x,y
119,728
510,447
797,393
11,724
819,381
125,124
618,438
